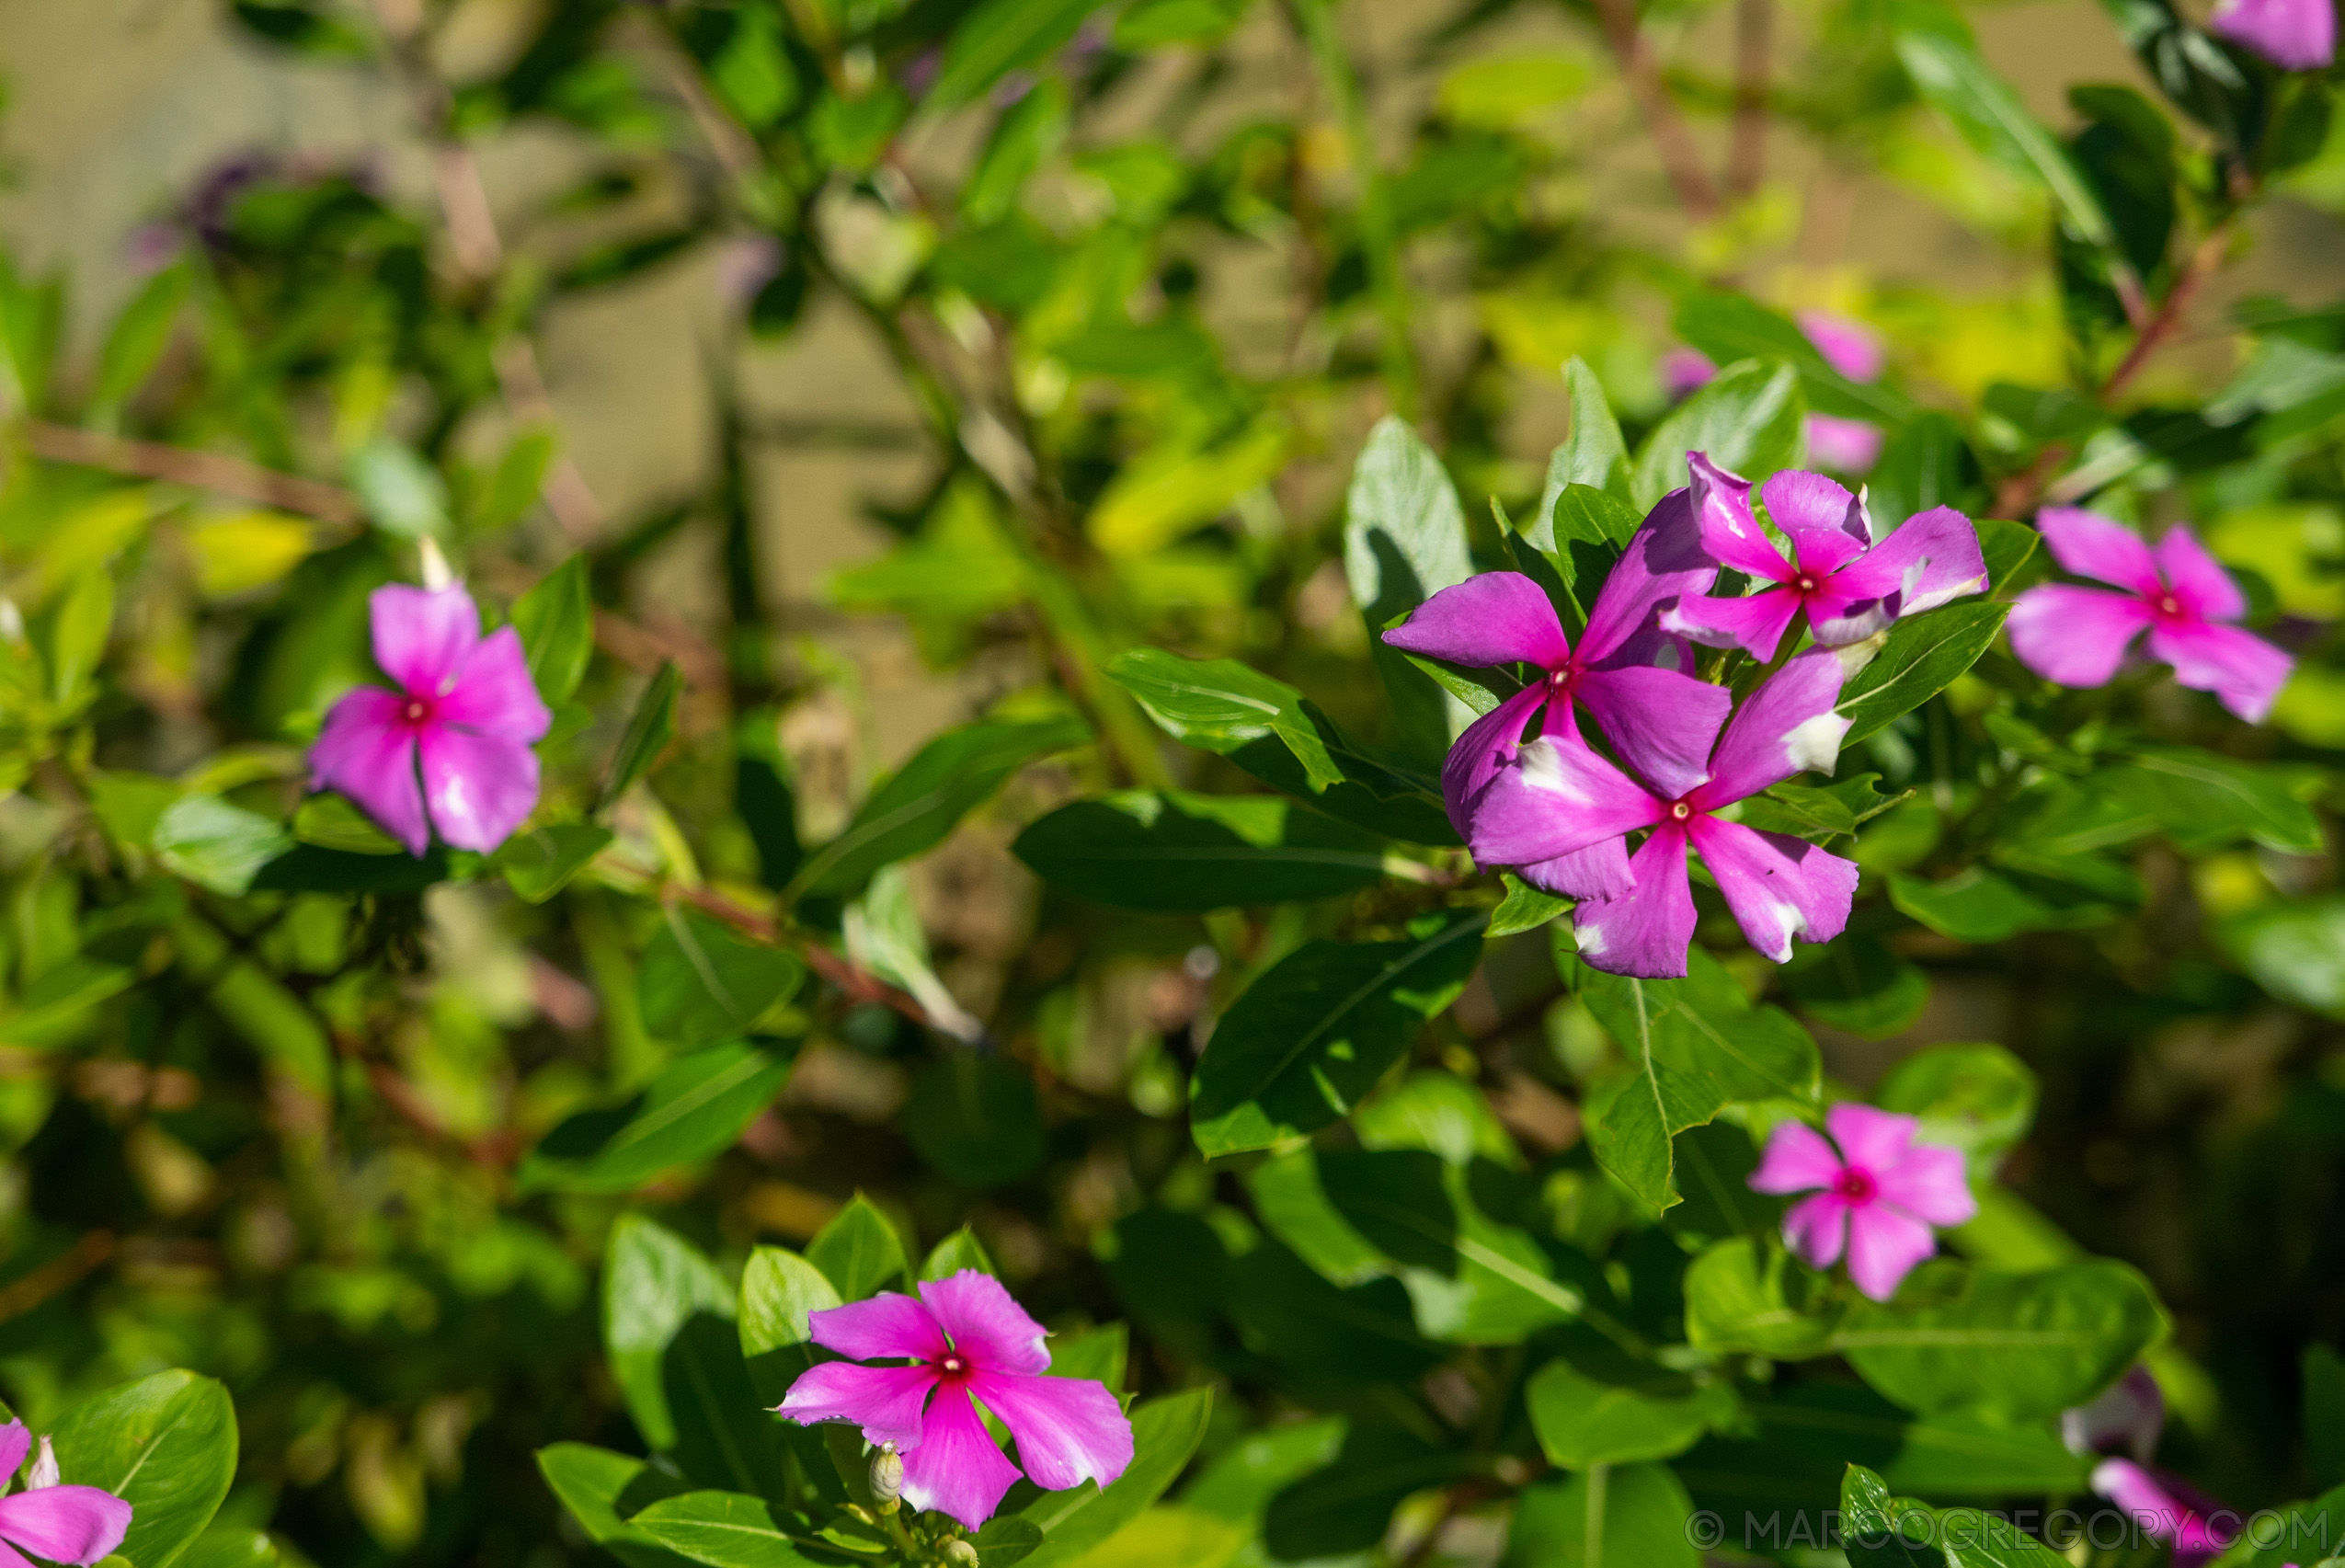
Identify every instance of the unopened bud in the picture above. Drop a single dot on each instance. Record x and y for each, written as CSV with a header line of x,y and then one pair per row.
x,y
887,1475
960,1552
436,572
44,1469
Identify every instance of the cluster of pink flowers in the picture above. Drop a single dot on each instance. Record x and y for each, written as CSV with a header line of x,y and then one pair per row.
x,y
1560,812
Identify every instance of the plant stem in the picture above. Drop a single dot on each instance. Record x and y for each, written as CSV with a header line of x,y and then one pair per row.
x,y
1679,154
182,466
1754,35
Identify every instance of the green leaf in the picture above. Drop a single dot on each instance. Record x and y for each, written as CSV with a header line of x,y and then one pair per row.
x,y
1524,907
77,639
1978,1098
401,492
1165,1432
1007,1539
2008,548
649,730
335,822
693,1111
1880,1531
1593,456
2295,951
1347,1507
962,1250
1979,906
859,1252
542,862
1404,534
166,1444
555,620
2324,1415
1215,705
137,341
216,845
1921,658
2204,802
778,1289
1694,1045
1311,1035
721,1437
925,798
976,1118
1926,463
1165,1538
653,1282
702,980
1731,327
225,1546
2012,1344
513,488
1239,1482
1857,984
999,36
597,1486
1744,1294
1616,1412
1177,852
725,1530
1625,1516
1749,418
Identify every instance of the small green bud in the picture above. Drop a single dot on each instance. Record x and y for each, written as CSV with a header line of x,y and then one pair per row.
x,y
886,1476
959,1552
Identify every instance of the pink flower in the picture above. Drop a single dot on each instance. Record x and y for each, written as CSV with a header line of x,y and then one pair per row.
x,y
1849,587
1560,797
1882,1192
1846,446
1685,372
964,1336
2129,1414
1626,673
465,703
64,1524
2177,592
2166,1507
2297,35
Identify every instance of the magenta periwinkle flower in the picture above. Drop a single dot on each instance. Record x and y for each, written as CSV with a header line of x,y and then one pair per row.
x,y
1877,1194
1560,797
2168,1508
962,1337
1848,586
1630,677
2295,35
2177,593
64,1524
464,706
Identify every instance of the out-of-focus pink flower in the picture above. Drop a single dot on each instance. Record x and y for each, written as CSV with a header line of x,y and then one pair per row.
x,y
64,1524
1850,347
2177,593
1880,1193
964,1336
2297,35
464,705
2127,1416
1844,446
1685,372
2166,1507
1849,587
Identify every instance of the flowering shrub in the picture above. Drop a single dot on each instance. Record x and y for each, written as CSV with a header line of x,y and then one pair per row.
x,y
1516,914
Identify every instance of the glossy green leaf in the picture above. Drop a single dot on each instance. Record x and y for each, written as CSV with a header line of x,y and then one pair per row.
x,y
1593,456
725,1530
1978,1098
1166,1434
976,1117
600,1488
959,1251
693,1111
1171,853
1524,907
217,845
1979,906
1007,1539
1347,1507
542,862
1745,1294
225,1546
1921,658
860,1251
555,620
166,1444
1624,1516
2204,801
1404,533
703,982
1615,1411
649,730
1857,984
1731,327
654,1282
1215,705
1314,1034
1748,419
779,1288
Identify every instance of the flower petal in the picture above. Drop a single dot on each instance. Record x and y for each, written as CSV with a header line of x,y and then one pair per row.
x,y
495,694
1665,559
1826,525
15,1442
1884,1245
2197,579
1798,1159
2076,637
1778,887
1850,347
1835,620
1600,871
2130,1413
1931,1182
1874,1139
993,1333
1070,1430
884,1400
1787,727
1559,797
1646,931
422,636
1844,446
1496,618
481,787
1685,372
2297,35
1755,623
2092,546
2168,1508
1817,1229
888,1325
1730,532
957,1470
368,752
1662,724
65,1524
1933,559
1487,747
2244,672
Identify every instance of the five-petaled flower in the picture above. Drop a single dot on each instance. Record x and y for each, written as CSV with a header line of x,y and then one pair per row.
x,y
1849,587
1880,1193
2297,35
64,1524
1561,796
1628,675
2177,592
465,705
961,1335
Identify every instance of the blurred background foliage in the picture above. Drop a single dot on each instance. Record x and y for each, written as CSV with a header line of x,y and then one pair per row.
x,y
883,365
